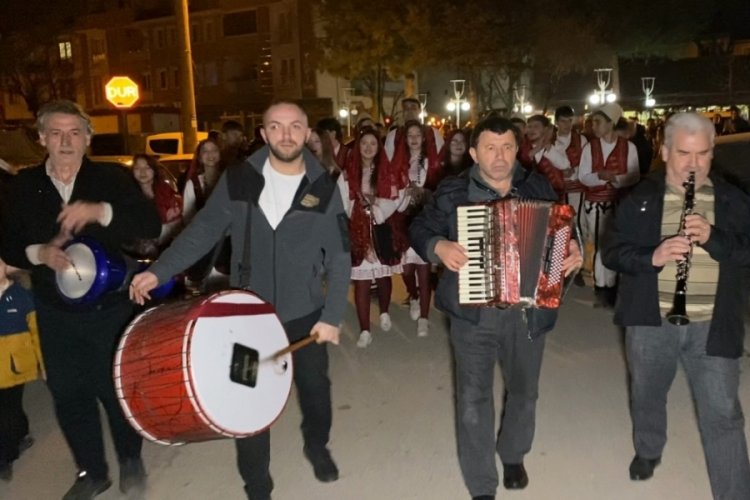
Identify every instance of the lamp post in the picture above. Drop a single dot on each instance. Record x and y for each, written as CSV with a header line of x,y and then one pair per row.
x,y
346,111
522,106
602,96
458,103
647,84
423,106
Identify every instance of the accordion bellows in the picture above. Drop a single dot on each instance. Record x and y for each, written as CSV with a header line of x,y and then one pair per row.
x,y
516,248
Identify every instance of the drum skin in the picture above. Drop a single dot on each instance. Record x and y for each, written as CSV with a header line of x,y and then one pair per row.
x,y
93,272
172,369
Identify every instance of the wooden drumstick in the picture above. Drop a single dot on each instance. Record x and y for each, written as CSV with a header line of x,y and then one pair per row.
x,y
297,345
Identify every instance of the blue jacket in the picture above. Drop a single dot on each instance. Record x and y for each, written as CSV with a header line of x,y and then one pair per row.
x,y
636,234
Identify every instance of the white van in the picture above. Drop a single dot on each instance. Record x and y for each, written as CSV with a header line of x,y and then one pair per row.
x,y
169,143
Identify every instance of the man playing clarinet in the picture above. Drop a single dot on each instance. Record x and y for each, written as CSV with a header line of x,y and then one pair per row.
x,y
645,245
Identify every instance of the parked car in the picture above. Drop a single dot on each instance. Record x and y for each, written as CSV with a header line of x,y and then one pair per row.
x,y
731,154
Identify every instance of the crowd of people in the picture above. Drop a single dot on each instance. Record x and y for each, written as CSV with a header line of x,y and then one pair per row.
x,y
301,217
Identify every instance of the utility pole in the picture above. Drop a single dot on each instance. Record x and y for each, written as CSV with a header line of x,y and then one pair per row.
x,y
188,115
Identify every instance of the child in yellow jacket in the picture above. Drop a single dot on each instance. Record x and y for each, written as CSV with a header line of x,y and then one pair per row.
x,y
20,362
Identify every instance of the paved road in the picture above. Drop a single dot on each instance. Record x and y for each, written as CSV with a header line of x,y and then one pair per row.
x,y
393,432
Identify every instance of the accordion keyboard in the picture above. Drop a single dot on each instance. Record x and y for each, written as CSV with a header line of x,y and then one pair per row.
x,y
475,282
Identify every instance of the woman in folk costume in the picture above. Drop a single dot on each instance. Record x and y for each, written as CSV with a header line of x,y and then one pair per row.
x,y
416,158
454,157
371,195
202,177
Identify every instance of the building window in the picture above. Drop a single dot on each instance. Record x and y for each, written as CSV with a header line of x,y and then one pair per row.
x,y
292,71
97,50
284,71
97,90
285,28
240,23
159,38
163,83
208,31
66,50
196,34
175,78
171,36
210,74
146,81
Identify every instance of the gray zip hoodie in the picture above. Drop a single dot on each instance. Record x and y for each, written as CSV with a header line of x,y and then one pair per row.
x,y
284,266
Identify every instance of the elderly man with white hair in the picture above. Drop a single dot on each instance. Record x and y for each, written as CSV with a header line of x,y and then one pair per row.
x,y
689,312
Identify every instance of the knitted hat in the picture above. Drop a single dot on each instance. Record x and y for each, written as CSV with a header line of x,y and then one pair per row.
x,y
612,111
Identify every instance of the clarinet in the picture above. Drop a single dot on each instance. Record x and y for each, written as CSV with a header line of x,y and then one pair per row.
x,y
677,315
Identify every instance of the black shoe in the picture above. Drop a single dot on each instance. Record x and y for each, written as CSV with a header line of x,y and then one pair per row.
x,y
514,476
87,487
578,280
484,497
132,476
320,458
604,297
643,468
6,471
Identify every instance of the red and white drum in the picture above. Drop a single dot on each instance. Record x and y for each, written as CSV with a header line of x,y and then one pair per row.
x,y
203,369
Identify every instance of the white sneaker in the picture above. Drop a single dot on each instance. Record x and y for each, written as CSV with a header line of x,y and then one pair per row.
x,y
365,339
414,309
423,327
385,322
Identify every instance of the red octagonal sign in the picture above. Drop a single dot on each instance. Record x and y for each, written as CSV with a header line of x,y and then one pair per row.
x,y
122,91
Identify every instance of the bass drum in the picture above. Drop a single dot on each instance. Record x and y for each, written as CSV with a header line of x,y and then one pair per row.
x,y
203,369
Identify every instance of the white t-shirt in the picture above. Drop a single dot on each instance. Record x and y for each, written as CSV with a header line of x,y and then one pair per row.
x,y
278,193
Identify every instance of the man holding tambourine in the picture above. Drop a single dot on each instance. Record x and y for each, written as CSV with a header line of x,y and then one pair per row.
x,y
66,197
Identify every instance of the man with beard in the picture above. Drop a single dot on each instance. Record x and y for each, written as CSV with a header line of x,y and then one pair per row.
x,y
298,227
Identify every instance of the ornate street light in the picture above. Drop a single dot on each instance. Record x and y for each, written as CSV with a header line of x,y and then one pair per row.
x,y
458,103
522,106
346,111
647,84
601,96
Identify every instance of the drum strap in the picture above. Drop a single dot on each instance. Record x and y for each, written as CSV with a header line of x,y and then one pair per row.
x,y
244,271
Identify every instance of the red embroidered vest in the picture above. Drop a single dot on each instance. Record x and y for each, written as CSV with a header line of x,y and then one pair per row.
x,y
553,174
573,152
617,162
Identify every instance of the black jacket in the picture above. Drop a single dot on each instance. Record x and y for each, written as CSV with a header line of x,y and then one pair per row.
x,y
35,203
636,234
438,222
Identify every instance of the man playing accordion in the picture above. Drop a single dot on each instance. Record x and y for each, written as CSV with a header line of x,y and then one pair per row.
x,y
483,335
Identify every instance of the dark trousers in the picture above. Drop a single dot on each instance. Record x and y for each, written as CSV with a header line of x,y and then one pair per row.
x,y
501,336
78,350
314,395
653,354
14,425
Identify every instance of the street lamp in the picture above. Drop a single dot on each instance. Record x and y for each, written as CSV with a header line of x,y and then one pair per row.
x,y
522,106
647,84
601,96
347,111
423,106
458,103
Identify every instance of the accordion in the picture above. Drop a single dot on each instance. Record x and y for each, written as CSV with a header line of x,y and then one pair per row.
x,y
516,248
